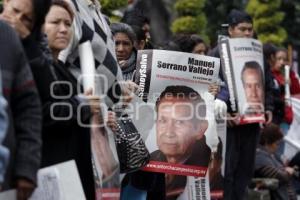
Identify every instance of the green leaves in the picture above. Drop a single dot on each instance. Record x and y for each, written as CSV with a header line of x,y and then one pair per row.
x,y
267,19
110,5
264,24
189,7
191,18
277,37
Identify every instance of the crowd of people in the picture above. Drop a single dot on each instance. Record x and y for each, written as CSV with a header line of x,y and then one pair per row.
x,y
40,73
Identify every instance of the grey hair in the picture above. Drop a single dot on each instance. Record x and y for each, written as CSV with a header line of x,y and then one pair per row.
x,y
123,28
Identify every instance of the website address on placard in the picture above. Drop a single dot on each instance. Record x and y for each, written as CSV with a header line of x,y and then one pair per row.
x,y
180,79
176,170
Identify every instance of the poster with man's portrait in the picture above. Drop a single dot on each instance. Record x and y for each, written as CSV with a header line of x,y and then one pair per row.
x,y
181,137
243,69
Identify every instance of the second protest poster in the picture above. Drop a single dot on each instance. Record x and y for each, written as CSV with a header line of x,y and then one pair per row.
x,y
243,69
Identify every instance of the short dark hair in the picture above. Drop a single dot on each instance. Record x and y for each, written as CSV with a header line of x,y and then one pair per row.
x,y
139,32
269,50
135,17
270,134
187,42
255,66
236,17
65,5
184,93
171,46
40,10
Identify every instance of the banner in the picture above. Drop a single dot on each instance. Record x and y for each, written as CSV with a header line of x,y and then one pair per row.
x,y
106,164
243,69
104,156
292,139
56,182
180,136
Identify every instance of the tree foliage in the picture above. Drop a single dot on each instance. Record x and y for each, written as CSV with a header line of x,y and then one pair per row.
x,y
107,6
189,7
267,19
190,18
216,12
291,22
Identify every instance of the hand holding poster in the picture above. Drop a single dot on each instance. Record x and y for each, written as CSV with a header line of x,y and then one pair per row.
x,y
104,156
242,63
175,84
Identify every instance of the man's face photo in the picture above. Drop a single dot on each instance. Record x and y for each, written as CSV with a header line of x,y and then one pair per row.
x,y
177,128
253,85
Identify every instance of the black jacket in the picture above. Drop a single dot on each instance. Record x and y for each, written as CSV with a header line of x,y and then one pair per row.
x,y
200,157
63,138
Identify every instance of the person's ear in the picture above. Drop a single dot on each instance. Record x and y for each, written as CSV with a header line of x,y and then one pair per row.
x,y
202,127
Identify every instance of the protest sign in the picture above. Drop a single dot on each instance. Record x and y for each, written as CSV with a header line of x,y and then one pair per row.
x,y
104,157
292,139
59,182
56,182
243,69
175,86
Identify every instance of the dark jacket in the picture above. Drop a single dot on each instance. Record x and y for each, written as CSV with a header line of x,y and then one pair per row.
x,y
63,138
154,183
279,104
23,138
200,156
38,55
268,165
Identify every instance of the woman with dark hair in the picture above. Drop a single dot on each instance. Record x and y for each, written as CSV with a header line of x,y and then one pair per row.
x,y
191,43
125,39
135,17
140,37
200,46
278,72
269,165
65,132
269,51
281,59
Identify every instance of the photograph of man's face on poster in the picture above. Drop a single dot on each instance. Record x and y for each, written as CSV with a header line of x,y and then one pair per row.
x,y
181,137
180,126
253,84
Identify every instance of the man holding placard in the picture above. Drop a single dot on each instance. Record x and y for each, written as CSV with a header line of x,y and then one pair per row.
x,y
241,139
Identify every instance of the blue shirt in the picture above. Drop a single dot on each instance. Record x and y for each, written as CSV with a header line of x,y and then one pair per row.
x,y
4,153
